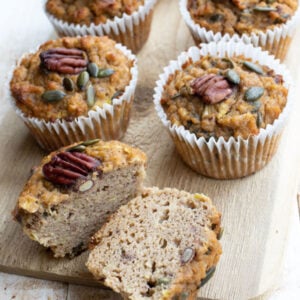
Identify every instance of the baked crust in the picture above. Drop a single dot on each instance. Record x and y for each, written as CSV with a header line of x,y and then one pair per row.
x,y
85,12
240,17
234,116
30,81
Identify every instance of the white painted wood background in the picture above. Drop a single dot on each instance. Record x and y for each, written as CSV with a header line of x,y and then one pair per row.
x,y
19,287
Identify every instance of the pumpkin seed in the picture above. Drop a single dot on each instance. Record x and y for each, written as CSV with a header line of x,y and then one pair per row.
x,y
233,76
90,95
254,93
256,106
184,295
187,255
216,18
93,69
176,95
229,61
264,8
208,276
220,234
78,148
270,1
163,281
83,79
85,186
68,84
53,95
259,119
253,67
90,142
116,94
105,73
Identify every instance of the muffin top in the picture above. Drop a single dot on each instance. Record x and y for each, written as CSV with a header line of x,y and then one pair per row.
x,y
85,12
63,172
239,17
222,97
68,77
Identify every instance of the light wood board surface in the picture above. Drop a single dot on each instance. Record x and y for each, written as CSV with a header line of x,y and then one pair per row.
x,y
256,210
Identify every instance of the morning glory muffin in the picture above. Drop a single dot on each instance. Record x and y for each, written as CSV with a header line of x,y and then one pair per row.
x,y
162,245
75,189
73,89
224,107
126,21
269,24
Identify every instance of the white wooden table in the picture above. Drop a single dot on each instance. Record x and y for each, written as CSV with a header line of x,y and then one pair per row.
x,y
19,287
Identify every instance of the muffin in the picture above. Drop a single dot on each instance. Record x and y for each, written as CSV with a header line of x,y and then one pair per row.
x,y
268,24
74,190
171,260
127,22
74,89
224,105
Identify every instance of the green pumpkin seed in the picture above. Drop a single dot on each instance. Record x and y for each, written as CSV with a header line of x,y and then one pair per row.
x,y
270,1
259,119
229,61
216,18
264,8
90,142
208,276
256,106
253,67
90,95
184,295
93,69
53,95
220,234
83,79
254,93
233,76
163,281
77,148
187,255
105,73
116,94
68,84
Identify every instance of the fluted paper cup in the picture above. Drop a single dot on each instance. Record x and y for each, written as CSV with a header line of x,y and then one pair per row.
x,y
130,30
217,157
276,40
109,122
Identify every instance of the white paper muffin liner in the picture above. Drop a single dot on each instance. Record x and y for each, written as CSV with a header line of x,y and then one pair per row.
x,y
130,30
276,41
109,122
236,157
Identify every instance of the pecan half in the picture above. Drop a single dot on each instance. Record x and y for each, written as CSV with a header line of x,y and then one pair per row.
x,y
64,60
211,88
66,167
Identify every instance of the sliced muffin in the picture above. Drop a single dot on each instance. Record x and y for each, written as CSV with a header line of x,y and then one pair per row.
x,y
74,190
160,245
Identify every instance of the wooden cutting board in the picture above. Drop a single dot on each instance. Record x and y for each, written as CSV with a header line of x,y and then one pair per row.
x,y
256,210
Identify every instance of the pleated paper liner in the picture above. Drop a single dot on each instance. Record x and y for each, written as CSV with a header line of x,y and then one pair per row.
x,y
109,122
130,30
276,41
217,157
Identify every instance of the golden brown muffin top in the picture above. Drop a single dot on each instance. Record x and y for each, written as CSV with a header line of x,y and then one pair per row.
x,y
239,17
85,12
49,84
221,97
40,191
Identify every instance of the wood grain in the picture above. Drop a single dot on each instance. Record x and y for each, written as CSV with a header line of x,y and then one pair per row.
x,y
255,209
